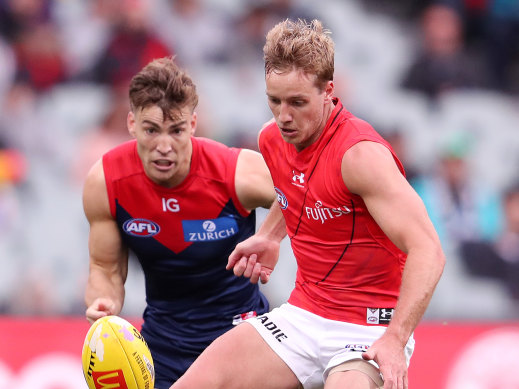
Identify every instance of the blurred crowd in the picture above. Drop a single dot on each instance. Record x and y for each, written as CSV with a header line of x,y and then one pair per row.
x,y
439,79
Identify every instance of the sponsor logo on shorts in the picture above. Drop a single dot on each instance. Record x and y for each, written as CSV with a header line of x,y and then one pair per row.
x,y
282,199
356,347
109,379
237,319
209,230
141,228
275,331
379,315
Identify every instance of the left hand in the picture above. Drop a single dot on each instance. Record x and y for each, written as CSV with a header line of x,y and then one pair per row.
x,y
388,353
254,258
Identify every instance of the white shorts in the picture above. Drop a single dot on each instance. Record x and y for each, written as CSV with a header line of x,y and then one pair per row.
x,y
311,345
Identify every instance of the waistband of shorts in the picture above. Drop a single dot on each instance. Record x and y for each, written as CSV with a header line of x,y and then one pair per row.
x,y
355,315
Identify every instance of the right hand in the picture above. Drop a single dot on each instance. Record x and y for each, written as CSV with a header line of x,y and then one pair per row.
x,y
254,258
101,307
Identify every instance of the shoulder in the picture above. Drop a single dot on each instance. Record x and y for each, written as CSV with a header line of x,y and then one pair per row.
x,y
249,159
368,162
95,195
122,150
358,129
269,129
253,183
213,152
121,161
269,137
209,144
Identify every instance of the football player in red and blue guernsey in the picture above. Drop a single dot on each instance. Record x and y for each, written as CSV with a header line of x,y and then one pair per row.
x,y
181,203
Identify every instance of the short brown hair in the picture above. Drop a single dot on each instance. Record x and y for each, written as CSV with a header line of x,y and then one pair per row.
x,y
301,45
164,84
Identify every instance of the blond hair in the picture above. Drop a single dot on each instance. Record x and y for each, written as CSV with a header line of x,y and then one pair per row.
x,y
300,45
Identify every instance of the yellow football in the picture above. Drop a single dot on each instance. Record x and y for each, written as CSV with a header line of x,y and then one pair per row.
x,y
115,355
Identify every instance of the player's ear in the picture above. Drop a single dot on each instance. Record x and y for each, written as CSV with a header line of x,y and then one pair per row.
x,y
329,91
193,123
130,123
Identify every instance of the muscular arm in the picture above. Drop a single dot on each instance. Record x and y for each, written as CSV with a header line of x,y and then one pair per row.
x,y
108,269
368,169
254,186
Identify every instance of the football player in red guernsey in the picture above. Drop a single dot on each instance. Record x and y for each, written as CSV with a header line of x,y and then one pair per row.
x,y
368,256
181,203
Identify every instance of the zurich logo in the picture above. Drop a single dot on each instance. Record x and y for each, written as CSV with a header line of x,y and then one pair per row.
x,y
209,226
209,230
141,228
282,199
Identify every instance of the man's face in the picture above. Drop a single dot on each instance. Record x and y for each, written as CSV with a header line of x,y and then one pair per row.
x,y
299,107
164,146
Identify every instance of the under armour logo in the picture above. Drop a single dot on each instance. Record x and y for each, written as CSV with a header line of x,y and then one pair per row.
x,y
298,177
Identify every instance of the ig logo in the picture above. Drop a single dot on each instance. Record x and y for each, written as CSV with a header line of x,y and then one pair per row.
x,y
170,205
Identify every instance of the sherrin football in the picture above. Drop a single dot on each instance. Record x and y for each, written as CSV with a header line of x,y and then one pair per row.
x,y
115,355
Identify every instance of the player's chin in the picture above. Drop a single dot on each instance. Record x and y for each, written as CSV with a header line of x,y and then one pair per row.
x,y
161,177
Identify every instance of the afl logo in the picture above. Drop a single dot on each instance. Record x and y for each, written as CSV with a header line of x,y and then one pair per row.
x,y
141,227
282,199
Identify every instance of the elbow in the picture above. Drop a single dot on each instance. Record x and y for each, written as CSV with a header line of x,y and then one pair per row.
x,y
440,260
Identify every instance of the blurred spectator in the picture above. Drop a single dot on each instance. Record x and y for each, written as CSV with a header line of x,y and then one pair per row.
x,y
34,293
474,15
27,26
502,49
85,28
460,206
17,117
250,29
498,258
256,20
40,63
442,63
398,141
132,45
13,167
8,66
291,9
195,32
17,16
13,171
111,132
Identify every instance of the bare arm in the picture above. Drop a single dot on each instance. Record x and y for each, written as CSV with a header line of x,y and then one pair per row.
x,y
104,293
368,169
253,183
256,257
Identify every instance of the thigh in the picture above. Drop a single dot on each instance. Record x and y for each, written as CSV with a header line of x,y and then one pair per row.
x,y
351,379
240,358
361,374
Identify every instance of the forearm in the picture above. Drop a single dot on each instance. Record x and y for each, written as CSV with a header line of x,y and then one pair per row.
x,y
103,284
273,227
421,275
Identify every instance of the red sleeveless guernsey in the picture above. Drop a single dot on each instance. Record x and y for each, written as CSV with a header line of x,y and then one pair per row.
x,y
348,269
